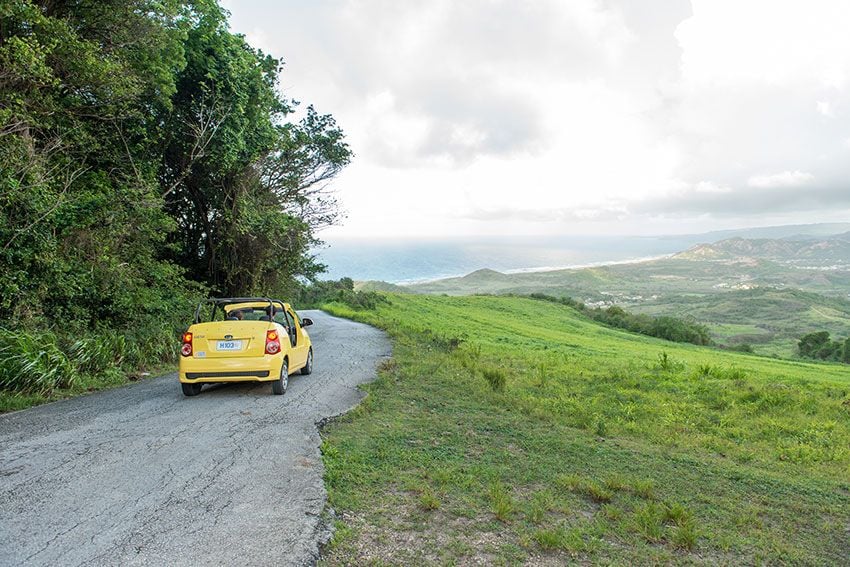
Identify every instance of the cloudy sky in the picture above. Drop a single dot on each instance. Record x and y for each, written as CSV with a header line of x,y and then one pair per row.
x,y
481,117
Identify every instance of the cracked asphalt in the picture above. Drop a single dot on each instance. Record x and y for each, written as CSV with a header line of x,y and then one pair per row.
x,y
142,475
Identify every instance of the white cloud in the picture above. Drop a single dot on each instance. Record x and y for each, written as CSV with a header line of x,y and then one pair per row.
x,y
735,43
709,187
496,116
825,108
784,179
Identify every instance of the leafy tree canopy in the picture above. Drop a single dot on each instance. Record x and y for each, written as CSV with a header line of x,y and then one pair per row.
x,y
147,157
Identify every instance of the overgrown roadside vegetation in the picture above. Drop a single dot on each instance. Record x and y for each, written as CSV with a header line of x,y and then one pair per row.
x,y
509,430
147,158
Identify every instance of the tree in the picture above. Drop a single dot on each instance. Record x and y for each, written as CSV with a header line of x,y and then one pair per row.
x,y
146,158
811,344
80,217
246,188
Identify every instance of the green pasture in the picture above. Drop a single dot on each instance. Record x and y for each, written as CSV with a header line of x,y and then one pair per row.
x,y
510,430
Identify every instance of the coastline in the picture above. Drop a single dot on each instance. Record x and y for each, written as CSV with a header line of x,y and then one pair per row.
x,y
532,270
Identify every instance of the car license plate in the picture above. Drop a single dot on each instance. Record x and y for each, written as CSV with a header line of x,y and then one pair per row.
x,y
229,345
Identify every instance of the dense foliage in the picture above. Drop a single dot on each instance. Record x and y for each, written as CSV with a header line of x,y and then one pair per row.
x,y
146,158
820,346
663,327
342,291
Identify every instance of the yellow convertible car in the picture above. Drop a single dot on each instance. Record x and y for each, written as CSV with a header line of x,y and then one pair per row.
x,y
242,339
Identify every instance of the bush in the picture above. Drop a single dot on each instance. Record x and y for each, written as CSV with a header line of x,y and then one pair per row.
x,y
820,347
340,291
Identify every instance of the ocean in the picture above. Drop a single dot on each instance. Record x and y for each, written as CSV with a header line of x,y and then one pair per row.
x,y
407,261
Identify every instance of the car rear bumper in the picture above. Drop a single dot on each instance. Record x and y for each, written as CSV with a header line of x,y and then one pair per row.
x,y
245,369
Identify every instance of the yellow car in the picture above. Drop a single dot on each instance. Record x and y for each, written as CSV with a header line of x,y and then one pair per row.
x,y
241,339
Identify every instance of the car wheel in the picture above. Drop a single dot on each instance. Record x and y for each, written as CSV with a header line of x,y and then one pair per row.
x,y
308,368
279,385
191,389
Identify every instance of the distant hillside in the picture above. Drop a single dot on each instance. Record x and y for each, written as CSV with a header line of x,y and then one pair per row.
x,y
374,285
772,320
793,231
817,252
641,281
763,291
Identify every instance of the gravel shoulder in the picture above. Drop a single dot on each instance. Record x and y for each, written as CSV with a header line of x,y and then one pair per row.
x,y
143,475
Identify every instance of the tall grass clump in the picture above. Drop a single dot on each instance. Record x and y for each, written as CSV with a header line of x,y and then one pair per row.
x,y
98,353
33,363
495,377
501,502
667,363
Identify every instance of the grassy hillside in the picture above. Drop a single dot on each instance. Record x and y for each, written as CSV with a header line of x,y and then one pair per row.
x,y
770,319
742,300
508,430
812,252
641,280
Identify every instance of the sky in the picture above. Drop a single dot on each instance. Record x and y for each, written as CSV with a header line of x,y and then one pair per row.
x,y
558,117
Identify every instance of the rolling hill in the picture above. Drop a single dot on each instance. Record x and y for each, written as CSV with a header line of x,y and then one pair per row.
x,y
808,252
767,292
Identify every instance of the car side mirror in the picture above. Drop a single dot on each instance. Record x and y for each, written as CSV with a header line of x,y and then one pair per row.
x,y
306,322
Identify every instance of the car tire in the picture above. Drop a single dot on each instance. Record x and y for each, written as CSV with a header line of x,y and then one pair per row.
x,y
191,389
279,385
308,368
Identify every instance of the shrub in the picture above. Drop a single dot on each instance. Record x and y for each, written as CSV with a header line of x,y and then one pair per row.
x,y
663,327
341,291
819,346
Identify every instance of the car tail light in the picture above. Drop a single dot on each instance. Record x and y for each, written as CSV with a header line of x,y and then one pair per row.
x,y
186,349
272,342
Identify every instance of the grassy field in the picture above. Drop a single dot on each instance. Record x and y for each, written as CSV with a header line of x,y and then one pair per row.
x,y
763,303
509,431
771,320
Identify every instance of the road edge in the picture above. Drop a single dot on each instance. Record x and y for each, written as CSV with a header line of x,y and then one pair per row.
x,y
324,531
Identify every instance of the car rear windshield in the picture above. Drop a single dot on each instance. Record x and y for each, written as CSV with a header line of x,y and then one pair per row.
x,y
220,312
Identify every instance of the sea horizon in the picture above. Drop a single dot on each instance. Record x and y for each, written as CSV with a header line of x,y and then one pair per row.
x,y
418,260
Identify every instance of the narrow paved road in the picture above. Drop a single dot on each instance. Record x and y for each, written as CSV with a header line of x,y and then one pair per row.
x,y
142,475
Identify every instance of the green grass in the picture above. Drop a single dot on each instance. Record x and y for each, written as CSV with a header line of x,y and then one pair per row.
x,y
599,446
785,304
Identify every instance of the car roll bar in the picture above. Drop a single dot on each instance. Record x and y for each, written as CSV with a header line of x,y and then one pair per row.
x,y
222,301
